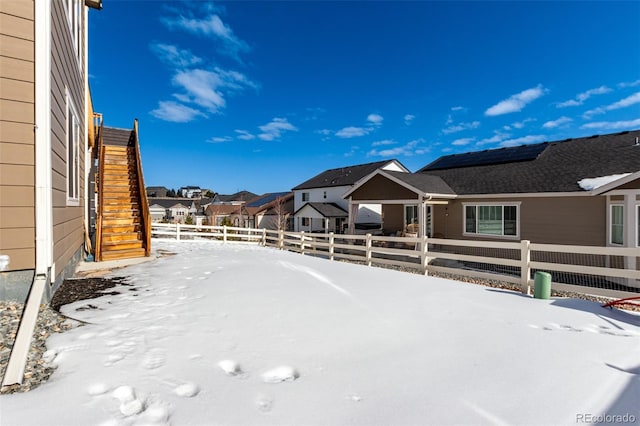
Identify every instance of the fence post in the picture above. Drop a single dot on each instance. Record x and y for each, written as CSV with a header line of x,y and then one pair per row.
x,y
178,231
281,239
332,240
424,259
264,237
525,269
224,233
368,252
302,242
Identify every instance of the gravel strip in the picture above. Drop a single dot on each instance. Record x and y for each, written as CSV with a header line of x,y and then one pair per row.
x,y
37,370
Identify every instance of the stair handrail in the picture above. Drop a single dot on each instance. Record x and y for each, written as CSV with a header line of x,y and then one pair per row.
x,y
142,192
100,177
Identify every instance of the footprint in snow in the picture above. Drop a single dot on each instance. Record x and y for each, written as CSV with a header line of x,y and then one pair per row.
x,y
230,367
187,390
98,389
280,374
264,403
129,404
155,358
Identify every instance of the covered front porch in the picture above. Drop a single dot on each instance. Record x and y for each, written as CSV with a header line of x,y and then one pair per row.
x,y
408,201
320,217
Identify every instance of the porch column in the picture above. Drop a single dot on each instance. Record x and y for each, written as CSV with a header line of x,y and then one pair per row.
x,y
422,213
353,215
326,225
630,231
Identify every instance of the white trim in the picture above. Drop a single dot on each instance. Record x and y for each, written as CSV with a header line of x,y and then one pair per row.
x,y
516,204
616,183
528,195
43,164
75,128
637,227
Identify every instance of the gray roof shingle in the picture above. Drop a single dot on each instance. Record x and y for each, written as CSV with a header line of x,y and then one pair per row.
x,y
342,176
119,137
558,168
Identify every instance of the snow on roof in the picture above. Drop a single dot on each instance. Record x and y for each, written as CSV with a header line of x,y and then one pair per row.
x,y
589,184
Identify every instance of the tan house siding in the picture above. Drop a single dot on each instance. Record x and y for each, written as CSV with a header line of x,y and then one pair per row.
x,y
634,184
381,188
66,78
572,220
17,141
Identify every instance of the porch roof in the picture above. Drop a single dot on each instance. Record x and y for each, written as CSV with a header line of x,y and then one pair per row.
x,y
388,185
328,210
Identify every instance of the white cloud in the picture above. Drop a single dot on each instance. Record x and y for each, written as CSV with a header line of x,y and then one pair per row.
x,y
629,84
520,124
460,127
375,119
325,132
458,108
523,140
273,129
581,97
207,88
353,132
244,135
211,25
174,56
411,148
462,141
623,103
497,137
218,139
516,102
175,112
557,123
384,142
408,119
613,125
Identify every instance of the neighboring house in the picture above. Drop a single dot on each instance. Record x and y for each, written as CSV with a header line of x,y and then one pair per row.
x,y
157,191
217,213
174,210
583,191
46,135
191,192
319,204
236,199
272,210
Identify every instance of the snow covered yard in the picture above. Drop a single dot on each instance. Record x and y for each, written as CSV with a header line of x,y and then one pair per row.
x,y
234,334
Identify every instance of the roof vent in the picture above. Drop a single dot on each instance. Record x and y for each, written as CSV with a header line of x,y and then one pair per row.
x,y
637,143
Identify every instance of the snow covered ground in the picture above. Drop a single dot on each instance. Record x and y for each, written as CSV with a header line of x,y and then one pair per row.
x,y
244,335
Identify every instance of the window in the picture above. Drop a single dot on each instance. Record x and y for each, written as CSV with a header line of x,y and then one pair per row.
x,y
410,215
75,17
73,154
498,220
305,221
638,225
617,224
324,194
305,196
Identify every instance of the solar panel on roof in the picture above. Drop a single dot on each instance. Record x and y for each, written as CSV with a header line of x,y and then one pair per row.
x,y
267,199
488,157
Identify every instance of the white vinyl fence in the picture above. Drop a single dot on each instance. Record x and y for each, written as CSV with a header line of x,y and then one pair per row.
x,y
604,271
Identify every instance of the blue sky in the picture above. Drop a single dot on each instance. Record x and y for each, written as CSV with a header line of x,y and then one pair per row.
x,y
264,95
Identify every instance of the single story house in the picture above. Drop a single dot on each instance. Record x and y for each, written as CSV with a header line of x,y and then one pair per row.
x,y
272,210
174,210
582,191
319,204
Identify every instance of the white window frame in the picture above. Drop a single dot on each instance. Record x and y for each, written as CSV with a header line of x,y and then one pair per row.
x,y
75,17
73,137
610,224
476,234
637,225
305,197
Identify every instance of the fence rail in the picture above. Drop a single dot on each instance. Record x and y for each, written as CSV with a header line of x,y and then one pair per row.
x,y
603,271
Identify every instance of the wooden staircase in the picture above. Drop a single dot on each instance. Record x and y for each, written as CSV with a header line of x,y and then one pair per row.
x,y
123,219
